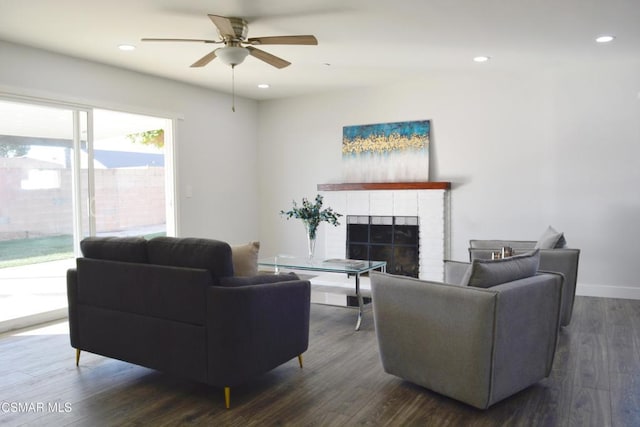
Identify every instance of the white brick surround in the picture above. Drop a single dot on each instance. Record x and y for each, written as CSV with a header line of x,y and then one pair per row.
x,y
430,206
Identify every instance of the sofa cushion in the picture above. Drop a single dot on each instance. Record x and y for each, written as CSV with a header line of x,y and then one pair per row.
x,y
484,273
551,239
190,252
245,259
127,249
257,280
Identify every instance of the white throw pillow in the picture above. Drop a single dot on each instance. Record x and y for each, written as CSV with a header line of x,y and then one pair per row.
x,y
245,259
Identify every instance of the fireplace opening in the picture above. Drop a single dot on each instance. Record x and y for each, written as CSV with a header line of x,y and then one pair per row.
x,y
393,239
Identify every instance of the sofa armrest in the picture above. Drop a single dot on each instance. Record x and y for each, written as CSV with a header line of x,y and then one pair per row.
x,y
527,324
72,301
565,261
252,329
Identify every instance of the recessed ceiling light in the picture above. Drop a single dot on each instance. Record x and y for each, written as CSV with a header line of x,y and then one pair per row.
x,y
481,58
126,47
264,86
605,39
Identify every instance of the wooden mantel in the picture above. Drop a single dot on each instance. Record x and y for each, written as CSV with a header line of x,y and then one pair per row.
x,y
354,186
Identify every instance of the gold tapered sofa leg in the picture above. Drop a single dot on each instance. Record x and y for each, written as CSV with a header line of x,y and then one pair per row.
x,y
300,360
77,356
227,397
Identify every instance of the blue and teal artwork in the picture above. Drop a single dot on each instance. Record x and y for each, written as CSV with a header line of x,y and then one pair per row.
x,y
386,152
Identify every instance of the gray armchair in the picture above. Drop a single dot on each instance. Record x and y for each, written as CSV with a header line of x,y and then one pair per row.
x,y
560,260
474,345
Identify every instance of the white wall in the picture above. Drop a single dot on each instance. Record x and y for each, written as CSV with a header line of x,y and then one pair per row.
x,y
523,150
215,148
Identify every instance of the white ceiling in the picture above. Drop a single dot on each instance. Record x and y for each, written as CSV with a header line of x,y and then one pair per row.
x,y
361,42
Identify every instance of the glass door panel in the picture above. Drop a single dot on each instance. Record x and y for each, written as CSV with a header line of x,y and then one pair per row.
x,y
129,174
37,148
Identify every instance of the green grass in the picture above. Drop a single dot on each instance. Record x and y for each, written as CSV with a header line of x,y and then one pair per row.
x,y
19,252
35,259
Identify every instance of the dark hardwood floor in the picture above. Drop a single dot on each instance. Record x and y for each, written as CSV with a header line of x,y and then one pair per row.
x,y
595,381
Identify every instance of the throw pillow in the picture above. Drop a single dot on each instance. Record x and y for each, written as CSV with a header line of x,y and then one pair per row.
x,y
551,239
245,259
484,273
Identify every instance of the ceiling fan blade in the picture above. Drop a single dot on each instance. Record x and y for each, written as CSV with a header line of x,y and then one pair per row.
x,y
205,59
268,58
224,25
179,40
306,40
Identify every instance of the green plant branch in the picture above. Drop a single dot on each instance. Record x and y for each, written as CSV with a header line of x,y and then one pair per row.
x,y
312,214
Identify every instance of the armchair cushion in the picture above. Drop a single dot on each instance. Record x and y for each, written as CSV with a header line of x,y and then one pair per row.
x,y
551,239
488,273
245,259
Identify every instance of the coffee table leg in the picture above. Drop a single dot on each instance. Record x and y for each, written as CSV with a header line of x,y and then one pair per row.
x,y
360,302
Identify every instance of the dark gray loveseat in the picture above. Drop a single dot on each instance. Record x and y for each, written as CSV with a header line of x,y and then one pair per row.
x,y
172,304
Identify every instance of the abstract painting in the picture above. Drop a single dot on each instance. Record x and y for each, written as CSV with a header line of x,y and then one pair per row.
x,y
386,152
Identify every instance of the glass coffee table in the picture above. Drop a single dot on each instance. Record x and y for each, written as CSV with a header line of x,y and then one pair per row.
x,y
353,267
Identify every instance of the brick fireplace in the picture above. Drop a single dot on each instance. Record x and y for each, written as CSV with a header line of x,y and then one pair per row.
x,y
426,201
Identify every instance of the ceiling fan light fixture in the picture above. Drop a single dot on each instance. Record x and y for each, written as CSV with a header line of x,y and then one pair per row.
x,y
232,55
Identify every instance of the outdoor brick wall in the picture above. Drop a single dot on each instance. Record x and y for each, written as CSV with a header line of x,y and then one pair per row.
x,y
125,198
129,198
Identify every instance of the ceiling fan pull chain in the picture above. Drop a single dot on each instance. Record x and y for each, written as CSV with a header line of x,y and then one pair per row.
x,y
233,88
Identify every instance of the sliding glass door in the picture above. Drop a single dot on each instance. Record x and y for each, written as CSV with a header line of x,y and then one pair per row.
x,y
67,173
38,205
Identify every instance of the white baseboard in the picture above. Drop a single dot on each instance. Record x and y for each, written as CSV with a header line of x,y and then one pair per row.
x,y
34,319
608,291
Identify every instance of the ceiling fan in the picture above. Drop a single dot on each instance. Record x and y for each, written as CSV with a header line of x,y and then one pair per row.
x,y
233,33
